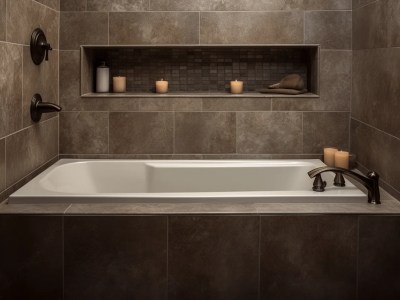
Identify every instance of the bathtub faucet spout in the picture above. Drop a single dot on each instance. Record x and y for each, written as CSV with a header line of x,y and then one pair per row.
x,y
371,181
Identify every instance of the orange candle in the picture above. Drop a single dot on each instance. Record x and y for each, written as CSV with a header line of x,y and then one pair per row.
x,y
119,84
161,86
342,159
329,156
236,87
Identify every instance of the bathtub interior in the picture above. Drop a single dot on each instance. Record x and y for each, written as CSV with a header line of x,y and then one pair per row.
x,y
181,181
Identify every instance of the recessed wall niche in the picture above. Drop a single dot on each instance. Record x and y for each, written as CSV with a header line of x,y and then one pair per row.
x,y
200,70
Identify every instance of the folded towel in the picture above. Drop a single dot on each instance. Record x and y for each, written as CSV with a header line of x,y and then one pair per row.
x,y
292,81
282,91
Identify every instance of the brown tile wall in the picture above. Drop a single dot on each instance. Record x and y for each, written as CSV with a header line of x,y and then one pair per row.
x,y
26,147
375,129
210,127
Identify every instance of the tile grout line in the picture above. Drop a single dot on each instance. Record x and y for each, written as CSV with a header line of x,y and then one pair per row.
x,y
212,11
108,134
45,6
27,127
5,165
236,132
205,111
377,129
167,257
59,59
174,132
302,132
6,26
259,257
29,174
357,254
22,87
199,28
63,253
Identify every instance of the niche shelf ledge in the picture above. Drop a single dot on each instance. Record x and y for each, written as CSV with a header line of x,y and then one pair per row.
x,y
195,95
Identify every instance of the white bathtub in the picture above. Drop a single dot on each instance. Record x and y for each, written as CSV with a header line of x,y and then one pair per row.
x,y
160,181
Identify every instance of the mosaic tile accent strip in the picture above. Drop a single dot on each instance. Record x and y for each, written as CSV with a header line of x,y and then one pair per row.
x,y
204,69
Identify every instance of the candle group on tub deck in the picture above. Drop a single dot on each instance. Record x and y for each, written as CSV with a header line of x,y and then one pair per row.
x,y
342,159
335,158
329,156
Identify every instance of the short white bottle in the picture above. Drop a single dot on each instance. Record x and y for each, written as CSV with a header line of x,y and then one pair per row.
x,y
102,78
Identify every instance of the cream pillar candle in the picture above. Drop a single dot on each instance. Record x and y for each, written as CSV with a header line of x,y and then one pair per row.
x,y
119,84
342,159
236,87
161,86
329,156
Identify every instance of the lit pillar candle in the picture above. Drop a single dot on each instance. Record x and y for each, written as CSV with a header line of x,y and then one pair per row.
x,y
161,86
329,156
236,87
119,84
342,159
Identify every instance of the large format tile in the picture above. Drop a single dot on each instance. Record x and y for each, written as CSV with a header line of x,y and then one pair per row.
x,y
31,257
252,27
24,16
376,77
378,261
370,26
30,148
327,4
376,151
170,104
10,88
208,132
2,164
269,132
360,3
223,5
54,4
77,28
41,80
236,104
141,133
154,28
115,257
331,29
393,6
84,132
213,257
335,80
254,5
325,129
2,20
118,5
70,78
308,257
73,5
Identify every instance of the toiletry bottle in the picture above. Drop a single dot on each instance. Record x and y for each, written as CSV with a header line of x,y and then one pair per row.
x,y
103,78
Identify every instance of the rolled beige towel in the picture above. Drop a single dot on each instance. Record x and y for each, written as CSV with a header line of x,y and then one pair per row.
x,y
292,81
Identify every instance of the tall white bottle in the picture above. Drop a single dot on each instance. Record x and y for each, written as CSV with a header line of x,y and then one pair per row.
x,y
102,78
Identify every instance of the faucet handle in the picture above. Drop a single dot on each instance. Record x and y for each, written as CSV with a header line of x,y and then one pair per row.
x,y
339,180
319,185
47,47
